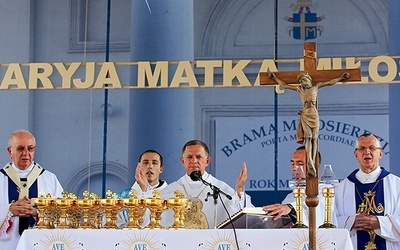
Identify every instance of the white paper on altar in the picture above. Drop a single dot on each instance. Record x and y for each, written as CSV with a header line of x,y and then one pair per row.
x,y
251,140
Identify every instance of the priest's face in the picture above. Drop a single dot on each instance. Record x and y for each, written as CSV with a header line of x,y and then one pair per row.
x,y
299,159
195,158
368,153
150,164
22,150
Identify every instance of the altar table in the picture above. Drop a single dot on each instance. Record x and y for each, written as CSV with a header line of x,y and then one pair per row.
x,y
187,239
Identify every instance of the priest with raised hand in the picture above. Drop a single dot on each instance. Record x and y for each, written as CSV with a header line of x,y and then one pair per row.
x,y
367,201
20,181
148,170
205,211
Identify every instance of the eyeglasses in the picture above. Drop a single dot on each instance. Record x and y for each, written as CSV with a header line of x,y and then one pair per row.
x,y
371,148
22,149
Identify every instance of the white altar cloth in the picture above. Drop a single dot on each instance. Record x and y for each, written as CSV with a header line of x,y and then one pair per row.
x,y
187,239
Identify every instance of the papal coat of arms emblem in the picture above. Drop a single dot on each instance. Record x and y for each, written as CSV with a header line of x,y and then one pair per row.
x,y
304,21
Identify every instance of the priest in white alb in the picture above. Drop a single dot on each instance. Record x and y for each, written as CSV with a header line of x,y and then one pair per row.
x,y
21,180
205,214
367,201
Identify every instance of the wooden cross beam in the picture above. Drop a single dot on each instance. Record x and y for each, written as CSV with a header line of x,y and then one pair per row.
x,y
317,76
310,66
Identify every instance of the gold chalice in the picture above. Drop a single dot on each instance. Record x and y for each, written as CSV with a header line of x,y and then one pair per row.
x,y
136,210
177,204
85,204
159,211
156,206
96,211
41,204
74,214
109,204
119,205
95,214
63,204
51,214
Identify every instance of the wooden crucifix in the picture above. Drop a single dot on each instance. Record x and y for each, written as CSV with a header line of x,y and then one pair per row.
x,y
307,83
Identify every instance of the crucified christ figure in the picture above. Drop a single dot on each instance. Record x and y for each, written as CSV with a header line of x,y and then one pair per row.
x,y
307,130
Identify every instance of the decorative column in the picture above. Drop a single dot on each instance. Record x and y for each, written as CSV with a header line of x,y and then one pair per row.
x,y
161,119
16,37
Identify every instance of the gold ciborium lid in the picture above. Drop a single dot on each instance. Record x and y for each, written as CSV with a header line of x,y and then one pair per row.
x,y
110,199
86,202
133,199
155,200
178,200
64,201
41,200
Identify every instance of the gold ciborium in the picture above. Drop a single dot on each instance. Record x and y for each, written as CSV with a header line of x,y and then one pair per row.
x,y
119,205
41,204
156,206
63,204
109,205
136,210
51,214
85,204
178,204
328,193
159,211
74,214
298,194
95,212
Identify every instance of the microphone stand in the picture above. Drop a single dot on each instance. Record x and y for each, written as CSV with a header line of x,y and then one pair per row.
x,y
215,195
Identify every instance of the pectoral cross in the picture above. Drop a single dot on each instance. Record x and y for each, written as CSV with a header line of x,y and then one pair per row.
x,y
309,99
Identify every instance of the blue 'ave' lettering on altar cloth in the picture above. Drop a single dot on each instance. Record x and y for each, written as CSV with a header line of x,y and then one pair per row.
x,y
140,247
58,246
224,247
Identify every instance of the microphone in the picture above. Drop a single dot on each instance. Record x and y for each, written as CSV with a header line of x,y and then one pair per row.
x,y
195,175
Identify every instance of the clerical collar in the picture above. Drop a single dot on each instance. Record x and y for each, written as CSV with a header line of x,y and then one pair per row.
x,y
196,184
365,178
159,184
22,173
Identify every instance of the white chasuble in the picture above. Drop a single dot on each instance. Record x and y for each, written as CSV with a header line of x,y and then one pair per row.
x,y
197,192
